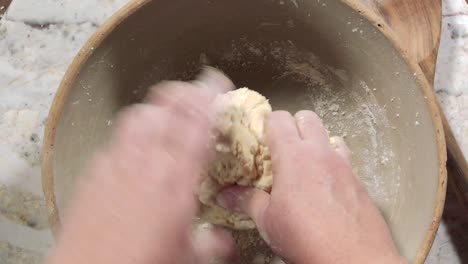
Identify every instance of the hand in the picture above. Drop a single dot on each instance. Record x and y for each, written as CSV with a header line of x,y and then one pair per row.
x,y
137,204
318,210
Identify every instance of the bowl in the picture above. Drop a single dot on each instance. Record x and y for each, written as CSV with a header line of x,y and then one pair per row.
x,y
323,56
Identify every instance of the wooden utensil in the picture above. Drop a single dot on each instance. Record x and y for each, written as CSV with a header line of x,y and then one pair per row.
x,y
3,6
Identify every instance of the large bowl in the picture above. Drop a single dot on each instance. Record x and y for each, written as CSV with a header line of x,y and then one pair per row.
x,y
324,56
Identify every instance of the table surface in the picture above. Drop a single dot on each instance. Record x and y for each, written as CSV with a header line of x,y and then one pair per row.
x,y
38,40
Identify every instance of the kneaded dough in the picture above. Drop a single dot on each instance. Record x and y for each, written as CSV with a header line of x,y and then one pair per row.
x,y
242,157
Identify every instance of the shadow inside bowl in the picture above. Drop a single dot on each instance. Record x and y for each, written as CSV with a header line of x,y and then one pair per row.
x,y
299,58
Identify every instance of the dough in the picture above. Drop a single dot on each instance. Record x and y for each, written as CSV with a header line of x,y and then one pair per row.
x,y
242,157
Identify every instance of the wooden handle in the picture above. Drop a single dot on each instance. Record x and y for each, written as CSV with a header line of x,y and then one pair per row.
x,y
417,26
3,6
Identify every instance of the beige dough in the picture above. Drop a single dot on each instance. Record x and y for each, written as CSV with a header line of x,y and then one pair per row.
x,y
242,157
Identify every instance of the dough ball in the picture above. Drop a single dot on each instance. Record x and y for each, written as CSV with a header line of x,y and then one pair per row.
x,y
242,157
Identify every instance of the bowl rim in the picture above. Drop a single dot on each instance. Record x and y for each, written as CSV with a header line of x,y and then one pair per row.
x,y
130,8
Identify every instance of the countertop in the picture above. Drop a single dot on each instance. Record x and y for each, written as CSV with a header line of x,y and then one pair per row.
x,y
38,40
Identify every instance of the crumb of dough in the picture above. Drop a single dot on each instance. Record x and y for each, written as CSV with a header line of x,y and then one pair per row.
x,y
242,157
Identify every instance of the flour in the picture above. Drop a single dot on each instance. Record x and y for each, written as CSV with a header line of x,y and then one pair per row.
x,y
293,79
346,104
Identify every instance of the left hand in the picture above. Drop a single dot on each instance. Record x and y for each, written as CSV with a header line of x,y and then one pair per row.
x,y
137,203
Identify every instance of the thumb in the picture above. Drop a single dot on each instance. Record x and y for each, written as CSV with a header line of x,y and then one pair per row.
x,y
250,201
211,243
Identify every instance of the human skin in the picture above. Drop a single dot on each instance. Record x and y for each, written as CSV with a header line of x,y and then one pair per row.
x,y
318,211
136,201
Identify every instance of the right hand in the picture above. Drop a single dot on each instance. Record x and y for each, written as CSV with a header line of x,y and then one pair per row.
x,y
318,211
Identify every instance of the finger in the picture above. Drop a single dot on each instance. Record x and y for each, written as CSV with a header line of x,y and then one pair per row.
x,y
311,128
281,130
143,134
250,201
211,243
190,119
186,97
138,126
192,113
339,145
140,148
210,83
167,93
213,79
203,90
192,109
190,124
187,121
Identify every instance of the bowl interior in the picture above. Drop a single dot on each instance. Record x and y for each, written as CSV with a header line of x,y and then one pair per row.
x,y
301,55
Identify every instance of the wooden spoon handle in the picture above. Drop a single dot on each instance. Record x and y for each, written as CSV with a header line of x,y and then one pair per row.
x,y
417,26
3,6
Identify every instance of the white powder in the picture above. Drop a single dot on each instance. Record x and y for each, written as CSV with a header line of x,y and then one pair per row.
x,y
345,111
345,103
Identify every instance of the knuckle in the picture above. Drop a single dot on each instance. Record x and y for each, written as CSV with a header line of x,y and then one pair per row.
x,y
128,119
134,113
137,123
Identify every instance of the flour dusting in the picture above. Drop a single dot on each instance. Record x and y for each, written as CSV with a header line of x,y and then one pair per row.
x,y
346,104
294,79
